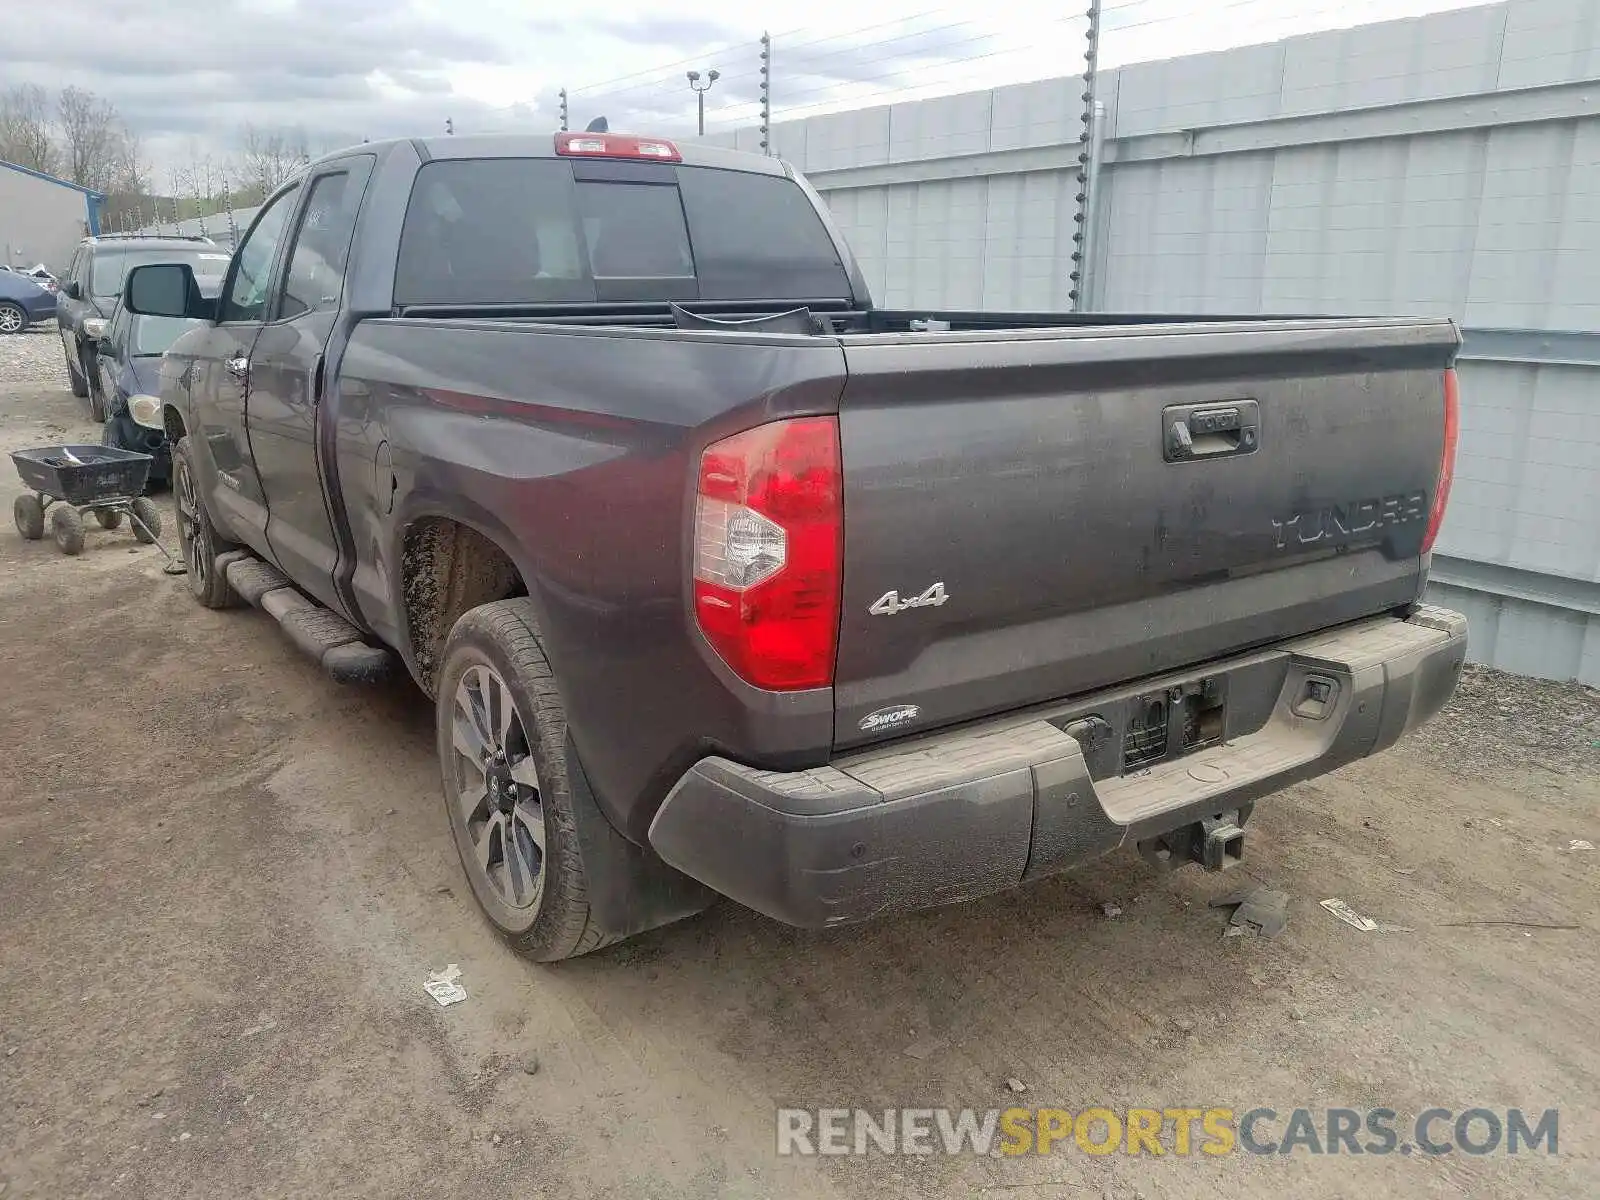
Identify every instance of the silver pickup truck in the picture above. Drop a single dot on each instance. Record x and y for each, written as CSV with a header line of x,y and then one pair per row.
x,y
726,581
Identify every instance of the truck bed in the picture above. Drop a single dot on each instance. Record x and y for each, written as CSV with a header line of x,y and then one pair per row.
x,y
1023,466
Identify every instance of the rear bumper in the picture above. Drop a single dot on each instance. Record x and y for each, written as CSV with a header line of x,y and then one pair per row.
x,y
977,810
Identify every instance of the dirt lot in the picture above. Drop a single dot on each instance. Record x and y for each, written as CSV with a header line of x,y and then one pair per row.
x,y
223,880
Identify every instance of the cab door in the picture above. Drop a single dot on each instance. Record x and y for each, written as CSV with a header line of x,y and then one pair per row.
x,y
289,369
221,376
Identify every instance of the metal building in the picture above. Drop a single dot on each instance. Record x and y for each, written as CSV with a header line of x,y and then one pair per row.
x,y
42,218
1447,164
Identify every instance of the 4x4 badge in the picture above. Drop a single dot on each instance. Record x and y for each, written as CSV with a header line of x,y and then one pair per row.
x,y
888,604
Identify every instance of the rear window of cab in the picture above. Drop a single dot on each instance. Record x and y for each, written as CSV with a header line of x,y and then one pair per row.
x,y
534,230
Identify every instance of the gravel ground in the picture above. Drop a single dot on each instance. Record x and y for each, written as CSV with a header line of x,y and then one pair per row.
x,y
223,880
32,357
1496,715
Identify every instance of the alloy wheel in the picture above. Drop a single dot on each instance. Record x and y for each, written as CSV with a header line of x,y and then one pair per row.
x,y
496,787
192,538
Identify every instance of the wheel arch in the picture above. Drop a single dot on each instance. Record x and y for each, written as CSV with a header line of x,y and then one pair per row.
x,y
450,563
173,421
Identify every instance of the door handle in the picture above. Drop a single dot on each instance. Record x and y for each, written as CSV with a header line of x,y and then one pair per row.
x,y
1192,431
239,367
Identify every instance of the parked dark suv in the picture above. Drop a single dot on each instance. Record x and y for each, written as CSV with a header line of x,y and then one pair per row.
x,y
92,284
130,379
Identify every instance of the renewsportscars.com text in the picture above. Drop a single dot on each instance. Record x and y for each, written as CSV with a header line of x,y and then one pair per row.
x,y
1160,1131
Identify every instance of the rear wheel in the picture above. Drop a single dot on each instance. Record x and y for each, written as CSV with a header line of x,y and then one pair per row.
x,y
501,732
28,513
198,540
12,317
66,527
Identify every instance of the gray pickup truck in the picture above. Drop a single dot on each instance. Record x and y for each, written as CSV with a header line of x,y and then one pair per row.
x,y
724,581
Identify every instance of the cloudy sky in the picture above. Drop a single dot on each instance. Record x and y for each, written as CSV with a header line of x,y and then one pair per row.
x,y
187,74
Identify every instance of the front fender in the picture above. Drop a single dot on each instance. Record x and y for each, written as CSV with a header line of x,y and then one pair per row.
x,y
180,419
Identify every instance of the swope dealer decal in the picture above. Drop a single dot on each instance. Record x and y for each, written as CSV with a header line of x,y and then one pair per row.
x,y
889,718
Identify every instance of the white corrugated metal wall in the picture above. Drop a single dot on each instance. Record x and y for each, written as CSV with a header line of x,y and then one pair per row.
x,y
1446,164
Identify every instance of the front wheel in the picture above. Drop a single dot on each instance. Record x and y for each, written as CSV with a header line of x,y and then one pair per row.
x,y
501,732
75,379
198,540
13,319
66,527
97,398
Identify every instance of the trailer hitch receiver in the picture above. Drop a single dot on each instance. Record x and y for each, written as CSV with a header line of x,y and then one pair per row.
x,y
1215,842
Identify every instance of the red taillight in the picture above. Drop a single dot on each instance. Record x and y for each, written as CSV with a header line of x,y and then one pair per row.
x,y
616,145
1447,459
768,528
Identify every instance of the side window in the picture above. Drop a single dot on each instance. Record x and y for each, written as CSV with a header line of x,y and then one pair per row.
x,y
492,231
76,271
106,275
315,278
246,298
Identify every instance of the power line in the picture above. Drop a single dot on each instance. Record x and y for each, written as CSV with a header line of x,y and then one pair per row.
x,y
606,83
818,69
844,97
664,79
657,94
789,50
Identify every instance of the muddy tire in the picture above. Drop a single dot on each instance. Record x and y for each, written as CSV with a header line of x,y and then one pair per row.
x,y
502,735
75,379
147,525
28,513
109,518
198,540
66,528
97,400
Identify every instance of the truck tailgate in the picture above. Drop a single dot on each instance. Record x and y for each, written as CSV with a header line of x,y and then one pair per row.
x,y
1102,504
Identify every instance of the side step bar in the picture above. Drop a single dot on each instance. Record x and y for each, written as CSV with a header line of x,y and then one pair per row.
x,y
327,637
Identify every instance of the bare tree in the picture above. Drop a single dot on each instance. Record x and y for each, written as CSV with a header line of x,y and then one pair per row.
x,y
25,134
268,157
95,139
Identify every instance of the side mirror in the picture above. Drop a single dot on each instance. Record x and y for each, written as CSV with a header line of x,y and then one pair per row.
x,y
165,290
71,289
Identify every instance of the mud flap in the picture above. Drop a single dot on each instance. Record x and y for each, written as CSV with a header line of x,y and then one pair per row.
x,y
630,888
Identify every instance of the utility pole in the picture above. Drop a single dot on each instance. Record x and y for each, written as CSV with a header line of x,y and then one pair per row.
x,y
766,94
563,95
700,96
1082,247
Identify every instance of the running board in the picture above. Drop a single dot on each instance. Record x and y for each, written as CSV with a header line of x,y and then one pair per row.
x,y
324,635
